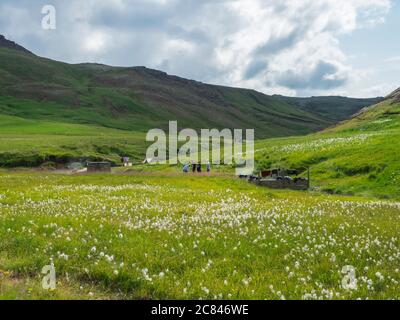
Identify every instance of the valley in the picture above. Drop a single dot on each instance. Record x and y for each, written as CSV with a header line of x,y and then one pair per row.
x,y
153,232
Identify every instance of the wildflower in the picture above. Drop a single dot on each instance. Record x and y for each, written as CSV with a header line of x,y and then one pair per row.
x,y
380,276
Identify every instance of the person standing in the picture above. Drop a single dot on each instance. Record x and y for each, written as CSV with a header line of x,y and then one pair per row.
x,y
194,167
199,168
208,167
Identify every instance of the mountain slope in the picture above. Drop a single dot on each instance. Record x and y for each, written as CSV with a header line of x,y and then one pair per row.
x,y
359,156
4,43
384,115
332,108
139,98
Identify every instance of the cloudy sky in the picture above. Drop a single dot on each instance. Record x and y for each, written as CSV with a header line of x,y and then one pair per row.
x,y
291,47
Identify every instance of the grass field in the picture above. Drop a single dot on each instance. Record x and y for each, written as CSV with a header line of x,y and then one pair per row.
x,y
170,236
32,143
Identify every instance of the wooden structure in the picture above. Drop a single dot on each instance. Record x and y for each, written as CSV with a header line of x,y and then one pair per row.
x,y
99,167
281,179
294,184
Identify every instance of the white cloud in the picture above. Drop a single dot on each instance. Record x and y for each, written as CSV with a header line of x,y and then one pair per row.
x,y
95,42
288,47
393,59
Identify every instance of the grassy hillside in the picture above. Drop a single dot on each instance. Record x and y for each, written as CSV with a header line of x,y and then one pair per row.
x,y
360,156
139,98
136,98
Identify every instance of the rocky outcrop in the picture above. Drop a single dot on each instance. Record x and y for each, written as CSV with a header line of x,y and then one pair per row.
x,y
11,45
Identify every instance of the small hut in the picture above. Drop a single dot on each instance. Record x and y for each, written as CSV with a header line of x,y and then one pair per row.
x,y
126,162
282,179
99,167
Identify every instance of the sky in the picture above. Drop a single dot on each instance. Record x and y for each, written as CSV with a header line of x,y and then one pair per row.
x,y
289,47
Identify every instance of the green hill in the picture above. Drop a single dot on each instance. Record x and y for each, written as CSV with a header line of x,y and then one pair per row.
x,y
139,98
359,156
44,96
382,116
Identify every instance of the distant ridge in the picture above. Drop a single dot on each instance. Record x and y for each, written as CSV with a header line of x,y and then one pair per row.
x,y
334,108
12,45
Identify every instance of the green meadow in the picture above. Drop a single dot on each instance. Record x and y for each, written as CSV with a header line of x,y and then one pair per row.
x,y
34,143
152,232
170,236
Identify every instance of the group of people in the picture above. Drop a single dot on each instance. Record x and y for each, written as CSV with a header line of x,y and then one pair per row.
x,y
196,167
